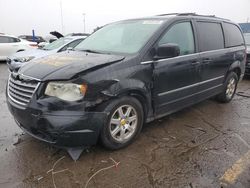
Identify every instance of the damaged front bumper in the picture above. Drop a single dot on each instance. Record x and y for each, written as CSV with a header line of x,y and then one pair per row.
x,y
63,128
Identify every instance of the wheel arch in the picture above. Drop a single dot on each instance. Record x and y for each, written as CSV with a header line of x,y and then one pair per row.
x,y
235,67
141,97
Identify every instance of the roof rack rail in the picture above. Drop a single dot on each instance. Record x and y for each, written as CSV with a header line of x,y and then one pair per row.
x,y
186,14
192,14
169,14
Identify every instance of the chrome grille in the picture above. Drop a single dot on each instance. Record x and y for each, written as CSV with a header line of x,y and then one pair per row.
x,y
21,91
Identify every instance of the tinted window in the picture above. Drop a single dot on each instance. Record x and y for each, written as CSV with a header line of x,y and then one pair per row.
x,y
11,40
72,44
57,43
210,36
4,39
75,43
233,36
181,34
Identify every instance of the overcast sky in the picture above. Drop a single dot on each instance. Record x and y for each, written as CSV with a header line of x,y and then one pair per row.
x,y
21,16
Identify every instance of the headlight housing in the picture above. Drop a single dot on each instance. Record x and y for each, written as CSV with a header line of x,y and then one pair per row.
x,y
66,91
24,59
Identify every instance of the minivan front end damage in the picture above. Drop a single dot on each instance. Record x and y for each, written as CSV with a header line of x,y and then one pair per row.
x,y
62,123
65,128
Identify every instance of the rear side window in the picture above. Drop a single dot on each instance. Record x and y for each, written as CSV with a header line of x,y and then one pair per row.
x,y
4,39
210,36
233,36
181,34
12,40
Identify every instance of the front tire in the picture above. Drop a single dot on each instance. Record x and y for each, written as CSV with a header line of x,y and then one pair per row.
x,y
230,87
124,122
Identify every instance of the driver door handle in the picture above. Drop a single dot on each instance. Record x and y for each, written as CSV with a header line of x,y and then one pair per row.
x,y
207,61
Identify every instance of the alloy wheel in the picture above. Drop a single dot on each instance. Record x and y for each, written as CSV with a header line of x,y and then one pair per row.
x,y
123,123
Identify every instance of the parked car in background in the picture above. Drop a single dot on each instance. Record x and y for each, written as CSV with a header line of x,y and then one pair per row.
x,y
59,35
37,39
78,34
125,74
10,44
245,27
18,59
247,40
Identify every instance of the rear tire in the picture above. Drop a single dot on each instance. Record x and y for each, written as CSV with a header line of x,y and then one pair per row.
x,y
124,122
229,89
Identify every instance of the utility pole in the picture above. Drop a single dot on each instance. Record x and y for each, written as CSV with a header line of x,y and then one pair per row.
x,y
84,22
61,17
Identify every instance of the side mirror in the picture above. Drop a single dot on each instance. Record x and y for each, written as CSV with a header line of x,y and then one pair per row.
x,y
167,51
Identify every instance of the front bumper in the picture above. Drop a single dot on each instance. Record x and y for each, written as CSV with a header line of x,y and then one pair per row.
x,y
63,128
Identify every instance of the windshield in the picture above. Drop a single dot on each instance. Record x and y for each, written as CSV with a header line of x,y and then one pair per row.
x,y
122,37
247,39
56,44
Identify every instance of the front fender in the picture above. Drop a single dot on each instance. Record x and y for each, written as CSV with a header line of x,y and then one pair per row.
x,y
135,88
234,65
125,86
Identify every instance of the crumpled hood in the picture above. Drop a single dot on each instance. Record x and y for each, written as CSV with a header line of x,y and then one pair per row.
x,y
65,65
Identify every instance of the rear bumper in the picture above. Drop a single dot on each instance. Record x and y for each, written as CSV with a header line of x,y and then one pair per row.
x,y
61,128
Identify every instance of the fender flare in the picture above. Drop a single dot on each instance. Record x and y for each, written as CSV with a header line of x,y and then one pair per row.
x,y
235,66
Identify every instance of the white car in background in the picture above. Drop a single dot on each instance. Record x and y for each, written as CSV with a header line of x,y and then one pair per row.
x,y
18,59
11,44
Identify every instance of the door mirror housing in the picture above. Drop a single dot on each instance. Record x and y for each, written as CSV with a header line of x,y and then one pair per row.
x,y
167,51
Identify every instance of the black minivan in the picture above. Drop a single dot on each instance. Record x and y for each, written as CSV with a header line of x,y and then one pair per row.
x,y
124,75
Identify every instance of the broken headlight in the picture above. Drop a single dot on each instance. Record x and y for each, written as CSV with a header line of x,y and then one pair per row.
x,y
66,91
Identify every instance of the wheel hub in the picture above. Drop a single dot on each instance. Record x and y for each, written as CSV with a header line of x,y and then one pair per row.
x,y
123,122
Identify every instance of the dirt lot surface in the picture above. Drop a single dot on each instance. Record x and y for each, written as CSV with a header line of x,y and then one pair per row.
x,y
206,145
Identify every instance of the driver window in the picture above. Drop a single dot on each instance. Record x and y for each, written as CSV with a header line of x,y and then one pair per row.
x,y
181,34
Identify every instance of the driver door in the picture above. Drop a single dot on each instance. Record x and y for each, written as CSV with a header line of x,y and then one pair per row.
x,y
176,79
